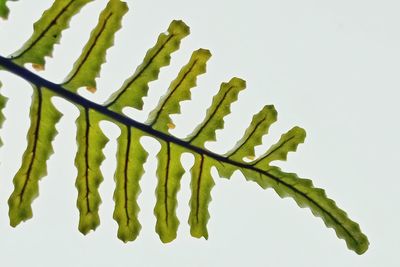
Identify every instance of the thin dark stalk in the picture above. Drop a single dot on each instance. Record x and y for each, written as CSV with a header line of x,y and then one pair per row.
x,y
40,82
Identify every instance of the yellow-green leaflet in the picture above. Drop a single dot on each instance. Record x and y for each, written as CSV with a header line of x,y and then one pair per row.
x,y
178,91
4,11
91,141
287,143
220,107
306,195
301,190
44,117
3,101
47,32
131,157
258,127
87,67
169,173
201,184
136,87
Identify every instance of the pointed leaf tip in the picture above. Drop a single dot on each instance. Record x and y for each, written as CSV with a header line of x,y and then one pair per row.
x,y
202,54
179,28
237,82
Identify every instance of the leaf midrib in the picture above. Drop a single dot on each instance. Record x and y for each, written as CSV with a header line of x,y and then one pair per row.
x,y
79,100
87,129
36,140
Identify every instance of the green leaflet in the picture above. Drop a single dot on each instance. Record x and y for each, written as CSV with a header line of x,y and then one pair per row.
x,y
3,101
88,65
220,107
4,11
130,160
287,143
306,195
136,87
169,173
301,190
47,32
44,117
91,141
258,127
201,184
178,91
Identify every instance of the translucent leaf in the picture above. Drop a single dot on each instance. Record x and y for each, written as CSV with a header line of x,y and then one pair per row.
x,y
136,87
220,107
4,11
42,131
91,141
306,195
47,32
169,173
287,143
131,157
201,184
178,91
259,126
88,65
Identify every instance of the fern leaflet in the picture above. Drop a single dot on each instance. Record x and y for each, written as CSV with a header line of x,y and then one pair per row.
x,y
131,156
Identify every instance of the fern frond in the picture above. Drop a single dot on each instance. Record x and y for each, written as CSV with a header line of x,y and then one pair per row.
x,y
131,156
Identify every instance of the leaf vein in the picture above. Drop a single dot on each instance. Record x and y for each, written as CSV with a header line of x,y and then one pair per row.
x,y
36,139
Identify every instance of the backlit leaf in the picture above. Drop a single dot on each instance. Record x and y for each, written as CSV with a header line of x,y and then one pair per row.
x,y
220,107
87,68
42,131
47,32
201,185
178,91
131,157
135,87
91,141
169,173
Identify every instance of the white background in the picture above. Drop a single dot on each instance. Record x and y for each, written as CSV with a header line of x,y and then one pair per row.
x,y
331,67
